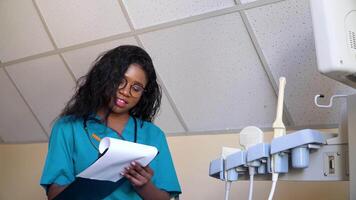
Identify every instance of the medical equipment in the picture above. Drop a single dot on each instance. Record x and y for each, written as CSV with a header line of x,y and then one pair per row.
x,y
331,100
226,151
278,159
316,156
313,155
258,158
334,26
250,136
263,159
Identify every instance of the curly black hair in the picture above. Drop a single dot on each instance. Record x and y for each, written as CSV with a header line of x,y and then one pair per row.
x,y
95,90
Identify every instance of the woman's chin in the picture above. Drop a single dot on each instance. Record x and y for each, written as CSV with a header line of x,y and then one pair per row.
x,y
119,110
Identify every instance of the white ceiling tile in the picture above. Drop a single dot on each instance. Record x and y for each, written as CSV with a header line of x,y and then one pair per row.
x,y
247,1
213,74
45,84
145,13
72,22
166,119
22,33
284,32
81,60
17,123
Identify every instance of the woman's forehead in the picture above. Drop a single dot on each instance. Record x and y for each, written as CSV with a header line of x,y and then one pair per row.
x,y
135,73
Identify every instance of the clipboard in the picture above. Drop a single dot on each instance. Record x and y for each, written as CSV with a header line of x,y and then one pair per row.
x,y
103,177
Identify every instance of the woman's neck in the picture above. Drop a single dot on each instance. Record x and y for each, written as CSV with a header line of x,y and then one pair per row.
x,y
116,121
105,113
118,118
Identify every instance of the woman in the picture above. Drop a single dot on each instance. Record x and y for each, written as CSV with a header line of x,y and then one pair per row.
x,y
118,98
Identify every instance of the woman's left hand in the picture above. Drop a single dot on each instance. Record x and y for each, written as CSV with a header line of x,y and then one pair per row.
x,y
138,175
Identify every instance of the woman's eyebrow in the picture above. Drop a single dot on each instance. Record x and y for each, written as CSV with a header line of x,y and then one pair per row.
x,y
138,83
133,81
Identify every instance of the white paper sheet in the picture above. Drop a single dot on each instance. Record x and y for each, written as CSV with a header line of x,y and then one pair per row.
x,y
119,155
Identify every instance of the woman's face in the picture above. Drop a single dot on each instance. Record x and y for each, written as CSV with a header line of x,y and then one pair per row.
x,y
130,89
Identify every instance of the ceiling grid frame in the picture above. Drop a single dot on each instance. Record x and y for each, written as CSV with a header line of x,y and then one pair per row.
x,y
1,140
26,103
139,42
153,28
52,39
288,118
222,35
61,57
286,37
66,49
135,33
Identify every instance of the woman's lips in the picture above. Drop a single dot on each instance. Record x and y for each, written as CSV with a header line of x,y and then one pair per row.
x,y
120,102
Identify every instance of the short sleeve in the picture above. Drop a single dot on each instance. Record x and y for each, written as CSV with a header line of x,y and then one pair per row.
x,y
165,176
58,167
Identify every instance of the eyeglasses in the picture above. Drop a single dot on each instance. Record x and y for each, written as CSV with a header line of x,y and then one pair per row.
x,y
136,90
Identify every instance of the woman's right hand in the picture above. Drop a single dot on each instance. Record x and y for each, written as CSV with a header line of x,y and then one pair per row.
x,y
54,190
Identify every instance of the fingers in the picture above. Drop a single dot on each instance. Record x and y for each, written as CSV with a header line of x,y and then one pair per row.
x,y
149,170
135,181
137,174
143,171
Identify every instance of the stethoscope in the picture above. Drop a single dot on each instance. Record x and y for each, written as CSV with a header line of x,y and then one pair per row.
x,y
85,121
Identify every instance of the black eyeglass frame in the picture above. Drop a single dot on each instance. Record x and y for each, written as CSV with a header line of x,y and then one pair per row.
x,y
123,83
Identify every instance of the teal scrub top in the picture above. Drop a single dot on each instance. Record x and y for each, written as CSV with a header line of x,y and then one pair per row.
x,y
71,150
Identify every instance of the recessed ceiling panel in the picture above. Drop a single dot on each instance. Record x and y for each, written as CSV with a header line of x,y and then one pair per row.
x,y
146,13
72,22
22,33
247,1
17,123
213,74
284,32
45,84
167,120
81,60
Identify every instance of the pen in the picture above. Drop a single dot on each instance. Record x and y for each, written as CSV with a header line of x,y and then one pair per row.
x,y
96,137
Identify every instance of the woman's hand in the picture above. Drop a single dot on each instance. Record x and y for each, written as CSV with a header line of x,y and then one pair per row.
x,y
140,178
138,175
54,190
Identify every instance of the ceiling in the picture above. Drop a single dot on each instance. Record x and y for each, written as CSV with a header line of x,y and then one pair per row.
x,y
218,61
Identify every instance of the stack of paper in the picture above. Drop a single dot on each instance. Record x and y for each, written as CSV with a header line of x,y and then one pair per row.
x,y
119,154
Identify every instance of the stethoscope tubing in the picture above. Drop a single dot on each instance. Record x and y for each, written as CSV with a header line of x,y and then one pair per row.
x,y
85,126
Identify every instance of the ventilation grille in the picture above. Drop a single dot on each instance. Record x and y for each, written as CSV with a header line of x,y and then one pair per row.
x,y
352,39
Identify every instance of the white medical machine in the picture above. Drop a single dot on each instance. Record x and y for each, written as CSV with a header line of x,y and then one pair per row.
x,y
334,25
305,155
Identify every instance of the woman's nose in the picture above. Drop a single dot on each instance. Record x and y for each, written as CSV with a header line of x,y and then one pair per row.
x,y
126,90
